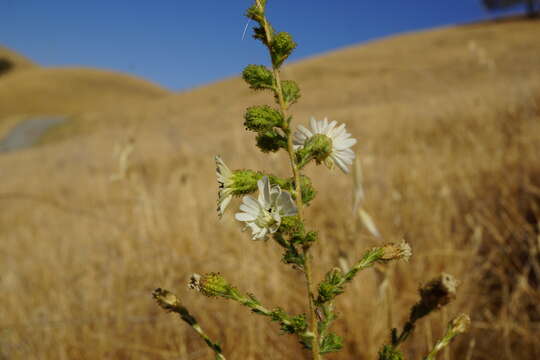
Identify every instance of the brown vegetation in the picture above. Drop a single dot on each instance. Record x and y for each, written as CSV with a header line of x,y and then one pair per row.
x,y
451,154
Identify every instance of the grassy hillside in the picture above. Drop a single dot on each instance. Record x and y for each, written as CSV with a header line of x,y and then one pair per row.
x,y
14,61
69,91
448,123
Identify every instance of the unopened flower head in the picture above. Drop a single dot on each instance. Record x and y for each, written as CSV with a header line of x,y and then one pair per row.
x,y
211,284
263,215
339,152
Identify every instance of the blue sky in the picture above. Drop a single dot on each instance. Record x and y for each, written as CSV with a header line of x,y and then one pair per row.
x,y
180,44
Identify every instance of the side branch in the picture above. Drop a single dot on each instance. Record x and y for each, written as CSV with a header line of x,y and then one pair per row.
x,y
169,302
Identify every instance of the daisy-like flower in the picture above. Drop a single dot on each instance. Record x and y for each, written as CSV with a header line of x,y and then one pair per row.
x,y
340,153
263,215
225,182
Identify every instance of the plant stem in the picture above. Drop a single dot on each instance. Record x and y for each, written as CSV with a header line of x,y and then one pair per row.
x,y
212,345
296,173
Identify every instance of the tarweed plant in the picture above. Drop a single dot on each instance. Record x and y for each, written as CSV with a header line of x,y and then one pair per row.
x,y
272,206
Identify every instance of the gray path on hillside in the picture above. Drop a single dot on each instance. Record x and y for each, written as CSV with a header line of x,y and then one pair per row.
x,y
28,132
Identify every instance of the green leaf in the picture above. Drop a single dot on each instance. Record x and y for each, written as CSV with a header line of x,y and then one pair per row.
x,y
290,91
331,343
388,352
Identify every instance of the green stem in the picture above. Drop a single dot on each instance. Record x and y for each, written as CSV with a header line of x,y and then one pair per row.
x,y
296,173
215,347
441,344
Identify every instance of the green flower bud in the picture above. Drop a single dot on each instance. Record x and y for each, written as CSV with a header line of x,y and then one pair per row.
x,y
281,47
291,91
244,181
308,191
258,77
291,225
317,147
271,141
211,285
255,12
262,118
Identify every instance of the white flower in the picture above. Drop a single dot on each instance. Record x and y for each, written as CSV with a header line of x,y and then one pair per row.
x,y
341,154
225,182
263,216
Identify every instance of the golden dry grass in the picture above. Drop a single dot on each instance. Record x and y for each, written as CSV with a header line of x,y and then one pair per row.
x,y
451,155
71,91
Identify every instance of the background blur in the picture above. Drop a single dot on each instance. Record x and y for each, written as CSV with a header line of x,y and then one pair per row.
x,y
108,188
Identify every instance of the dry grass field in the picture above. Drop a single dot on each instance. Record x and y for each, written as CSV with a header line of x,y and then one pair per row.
x,y
448,123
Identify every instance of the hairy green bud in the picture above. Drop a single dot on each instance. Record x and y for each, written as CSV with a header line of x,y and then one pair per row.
x,y
271,141
306,187
281,47
262,118
291,91
244,181
292,225
256,12
317,147
212,285
258,77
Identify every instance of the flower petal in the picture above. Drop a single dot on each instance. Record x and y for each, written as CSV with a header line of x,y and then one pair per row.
x,y
242,216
